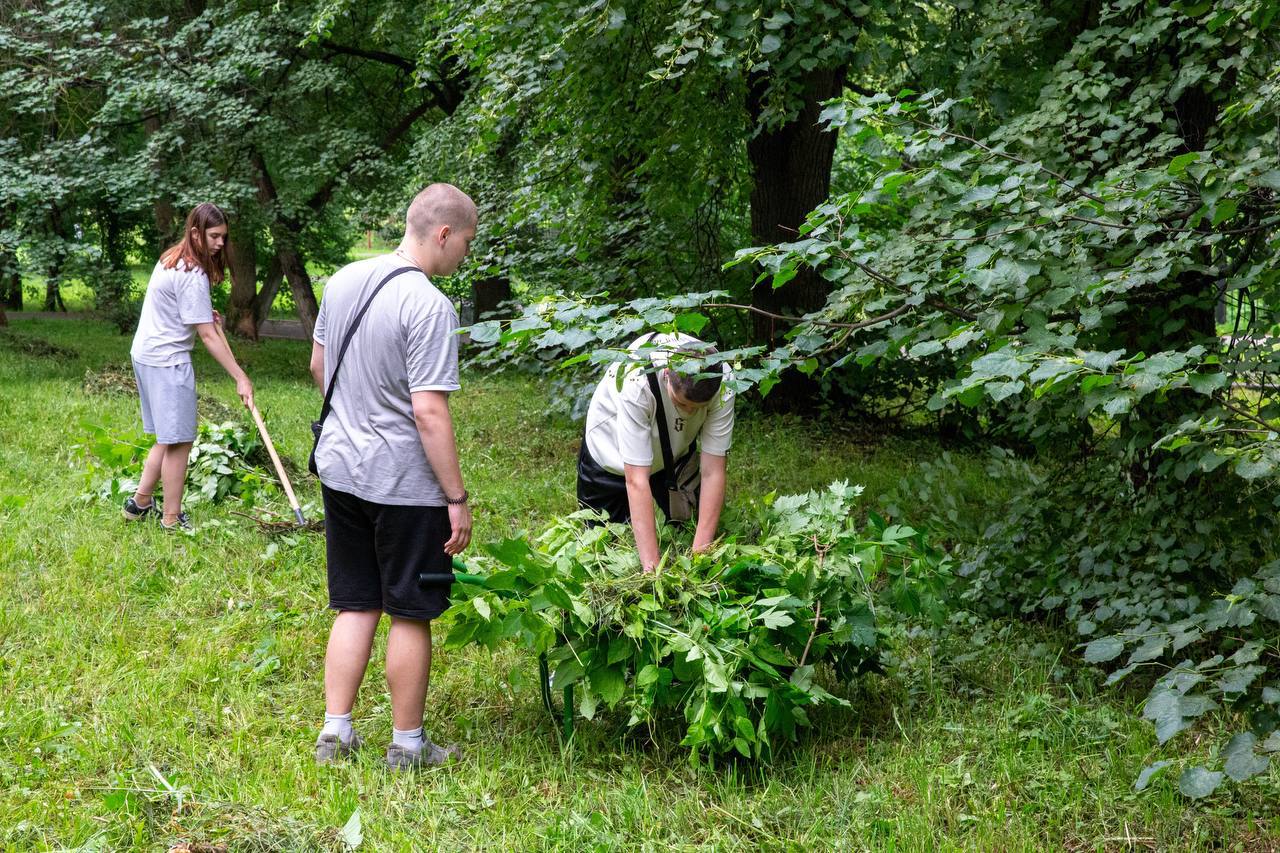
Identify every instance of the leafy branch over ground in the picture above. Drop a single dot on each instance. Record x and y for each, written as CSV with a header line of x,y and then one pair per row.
x,y
733,641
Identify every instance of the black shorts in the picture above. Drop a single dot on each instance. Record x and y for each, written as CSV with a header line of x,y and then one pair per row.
x,y
375,552
606,491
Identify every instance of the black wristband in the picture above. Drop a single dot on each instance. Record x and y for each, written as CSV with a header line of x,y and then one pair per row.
x,y
456,501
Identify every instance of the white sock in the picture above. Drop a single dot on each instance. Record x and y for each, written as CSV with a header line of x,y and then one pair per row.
x,y
338,724
411,740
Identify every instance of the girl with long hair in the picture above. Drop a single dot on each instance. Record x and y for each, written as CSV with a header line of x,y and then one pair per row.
x,y
177,309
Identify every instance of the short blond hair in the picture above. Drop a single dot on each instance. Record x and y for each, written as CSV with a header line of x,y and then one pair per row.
x,y
439,204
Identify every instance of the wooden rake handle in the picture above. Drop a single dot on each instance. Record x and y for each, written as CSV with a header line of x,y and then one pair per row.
x,y
271,448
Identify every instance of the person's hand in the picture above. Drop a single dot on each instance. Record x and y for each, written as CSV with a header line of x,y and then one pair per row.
x,y
245,389
460,525
217,319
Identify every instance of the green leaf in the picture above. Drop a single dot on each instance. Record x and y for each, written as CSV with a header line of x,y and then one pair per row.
x,y
558,596
1223,211
1103,649
1242,762
609,683
1179,164
776,619
647,676
1198,782
1207,383
587,704
980,194
351,833
691,322
1148,773
619,649
925,348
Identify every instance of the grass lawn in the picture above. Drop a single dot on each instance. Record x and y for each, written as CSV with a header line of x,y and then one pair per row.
x,y
161,688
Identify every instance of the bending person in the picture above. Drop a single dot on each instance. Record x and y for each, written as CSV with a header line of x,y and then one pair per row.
x,y
623,469
176,309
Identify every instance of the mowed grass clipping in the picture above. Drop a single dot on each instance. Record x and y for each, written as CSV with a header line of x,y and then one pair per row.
x,y
157,689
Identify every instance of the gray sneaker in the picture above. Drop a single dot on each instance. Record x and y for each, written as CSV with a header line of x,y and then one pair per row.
x,y
431,755
133,512
182,522
329,748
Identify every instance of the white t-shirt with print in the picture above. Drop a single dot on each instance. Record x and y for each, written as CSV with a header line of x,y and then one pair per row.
x,y
177,301
622,426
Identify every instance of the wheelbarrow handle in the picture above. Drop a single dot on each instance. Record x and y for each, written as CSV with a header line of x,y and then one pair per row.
x,y
448,577
459,573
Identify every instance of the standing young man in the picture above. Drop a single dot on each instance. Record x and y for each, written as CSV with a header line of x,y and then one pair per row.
x,y
394,500
621,467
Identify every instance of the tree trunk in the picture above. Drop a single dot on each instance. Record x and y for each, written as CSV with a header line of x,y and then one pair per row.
x,y
282,235
10,272
242,263
10,281
270,287
488,293
791,174
114,283
4,319
165,215
52,285
11,287
52,292
304,295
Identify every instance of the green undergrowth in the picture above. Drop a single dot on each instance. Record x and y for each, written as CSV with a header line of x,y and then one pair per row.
x,y
161,688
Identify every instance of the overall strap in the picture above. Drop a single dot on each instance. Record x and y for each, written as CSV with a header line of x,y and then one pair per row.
x,y
355,324
668,459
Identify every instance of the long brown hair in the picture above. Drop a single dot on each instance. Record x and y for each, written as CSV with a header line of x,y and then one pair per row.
x,y
202,217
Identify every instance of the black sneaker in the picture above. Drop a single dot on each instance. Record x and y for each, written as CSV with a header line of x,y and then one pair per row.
x,y
182,522
133,512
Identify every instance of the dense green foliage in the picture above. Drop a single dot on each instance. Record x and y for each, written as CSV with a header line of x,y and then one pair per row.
x,y
120,117
1045,273
1045,226
157,689
731,640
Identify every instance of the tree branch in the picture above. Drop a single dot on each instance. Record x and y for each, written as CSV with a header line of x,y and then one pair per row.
x,y
861,324
1242,413
382,56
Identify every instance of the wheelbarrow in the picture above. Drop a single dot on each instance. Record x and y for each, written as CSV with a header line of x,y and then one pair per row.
x,y
562,715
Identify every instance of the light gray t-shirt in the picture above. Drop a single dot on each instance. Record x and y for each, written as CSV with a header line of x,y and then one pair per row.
x,y
622,423
406,342
177,301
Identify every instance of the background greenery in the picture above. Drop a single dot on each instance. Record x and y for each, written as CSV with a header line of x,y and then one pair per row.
x,y
162,688
1043,233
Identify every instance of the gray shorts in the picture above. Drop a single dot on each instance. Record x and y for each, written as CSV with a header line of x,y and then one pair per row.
x,y
168,396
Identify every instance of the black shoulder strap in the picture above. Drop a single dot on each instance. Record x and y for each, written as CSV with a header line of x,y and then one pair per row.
x,y
355,324
668,459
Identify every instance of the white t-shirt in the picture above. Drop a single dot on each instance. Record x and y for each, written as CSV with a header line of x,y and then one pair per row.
x,y
622,427
177,301
370,446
